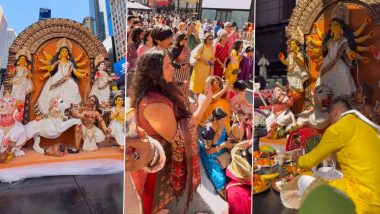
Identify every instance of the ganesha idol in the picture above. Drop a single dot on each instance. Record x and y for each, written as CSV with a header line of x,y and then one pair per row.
x,y
12,132
281,116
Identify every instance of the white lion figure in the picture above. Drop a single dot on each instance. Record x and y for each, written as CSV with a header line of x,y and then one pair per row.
x,y
51,127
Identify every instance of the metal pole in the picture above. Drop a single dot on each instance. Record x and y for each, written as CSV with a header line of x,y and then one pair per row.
x,y
178,7
187,6
200,10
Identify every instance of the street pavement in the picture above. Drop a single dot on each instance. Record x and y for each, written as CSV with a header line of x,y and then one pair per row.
x,y
64,195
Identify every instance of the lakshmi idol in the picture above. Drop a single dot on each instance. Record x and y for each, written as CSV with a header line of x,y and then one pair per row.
x,y
21,76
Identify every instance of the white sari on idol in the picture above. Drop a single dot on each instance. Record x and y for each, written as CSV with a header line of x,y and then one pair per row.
x,y
62,84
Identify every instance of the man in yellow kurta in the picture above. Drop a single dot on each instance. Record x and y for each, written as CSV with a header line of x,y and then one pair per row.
x,y
356,142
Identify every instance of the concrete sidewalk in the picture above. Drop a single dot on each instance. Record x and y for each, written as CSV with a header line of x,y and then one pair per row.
x,y
64,195
205,199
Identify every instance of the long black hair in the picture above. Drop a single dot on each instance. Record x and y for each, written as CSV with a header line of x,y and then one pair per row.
x,y
97,103
240,85
177,47
160,33
147,34
135,36
148,78
217,114
347,32
71,59
237,45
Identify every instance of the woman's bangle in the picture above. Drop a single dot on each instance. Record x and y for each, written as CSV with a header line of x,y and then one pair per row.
x,y
155,157
217,148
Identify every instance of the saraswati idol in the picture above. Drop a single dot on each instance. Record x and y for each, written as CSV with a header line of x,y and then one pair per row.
x,y
102,80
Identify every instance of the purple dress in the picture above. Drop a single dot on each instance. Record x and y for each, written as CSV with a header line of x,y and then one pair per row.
x,y
246,69
132,56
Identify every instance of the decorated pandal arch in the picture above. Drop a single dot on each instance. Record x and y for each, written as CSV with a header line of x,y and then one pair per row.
x,y
356,71
44,44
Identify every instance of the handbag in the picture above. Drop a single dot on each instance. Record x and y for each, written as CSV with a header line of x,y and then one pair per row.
x,y
236,71
224,159
194,53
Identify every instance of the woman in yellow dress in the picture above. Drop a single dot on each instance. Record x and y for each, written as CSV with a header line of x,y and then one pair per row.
x,y
233,67
203,59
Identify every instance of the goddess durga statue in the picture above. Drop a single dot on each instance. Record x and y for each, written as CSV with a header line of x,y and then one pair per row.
x,y
62,73
337,49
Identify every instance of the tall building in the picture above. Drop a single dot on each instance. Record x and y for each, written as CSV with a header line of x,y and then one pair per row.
x,y
100,11
272,17
11,36
44,14
3,37
119,23
109,18
89,23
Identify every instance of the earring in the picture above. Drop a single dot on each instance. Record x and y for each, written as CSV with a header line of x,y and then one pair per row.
x,y
18,62
59,56
68,57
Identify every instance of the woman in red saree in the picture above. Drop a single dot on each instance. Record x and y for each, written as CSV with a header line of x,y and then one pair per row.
x,y
163,115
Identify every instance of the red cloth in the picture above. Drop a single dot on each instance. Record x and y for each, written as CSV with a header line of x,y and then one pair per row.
x,y
238,195
149,193
178,167
221,53
150,98
303,135
232,94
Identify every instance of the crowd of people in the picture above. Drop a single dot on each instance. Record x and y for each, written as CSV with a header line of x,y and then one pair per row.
x,y
187,83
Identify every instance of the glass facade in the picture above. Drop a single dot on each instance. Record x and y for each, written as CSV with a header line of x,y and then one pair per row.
x,y
238,16
271,19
